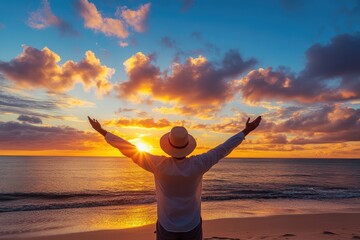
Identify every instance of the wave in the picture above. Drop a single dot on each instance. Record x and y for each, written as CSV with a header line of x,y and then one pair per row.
x,y
37,201
287,193
68,195
89,204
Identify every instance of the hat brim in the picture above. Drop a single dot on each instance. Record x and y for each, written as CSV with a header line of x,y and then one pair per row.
x,y
177,152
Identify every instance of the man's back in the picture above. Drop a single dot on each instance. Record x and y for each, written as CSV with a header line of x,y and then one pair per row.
x,y
178,189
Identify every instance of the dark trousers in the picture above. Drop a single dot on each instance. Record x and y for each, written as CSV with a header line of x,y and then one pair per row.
x,y
163,234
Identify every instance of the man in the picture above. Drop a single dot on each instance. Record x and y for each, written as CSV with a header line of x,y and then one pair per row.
x,y
178,179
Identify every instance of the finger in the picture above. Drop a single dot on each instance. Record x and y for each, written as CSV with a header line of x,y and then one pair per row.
x,y
248,121
258,120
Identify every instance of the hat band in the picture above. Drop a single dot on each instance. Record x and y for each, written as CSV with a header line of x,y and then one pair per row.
x,y
177,146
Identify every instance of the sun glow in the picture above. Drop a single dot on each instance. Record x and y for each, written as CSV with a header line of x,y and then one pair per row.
x,y
143,147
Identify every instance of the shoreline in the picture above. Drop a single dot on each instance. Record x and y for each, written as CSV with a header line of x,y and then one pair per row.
x,y
294,226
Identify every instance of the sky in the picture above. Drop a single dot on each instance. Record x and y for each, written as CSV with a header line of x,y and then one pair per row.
x,y
143,67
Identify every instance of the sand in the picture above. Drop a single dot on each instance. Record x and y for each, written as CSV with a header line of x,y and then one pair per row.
x,y
305,227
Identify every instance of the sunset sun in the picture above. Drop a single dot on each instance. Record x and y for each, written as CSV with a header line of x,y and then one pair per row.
x,y
143,147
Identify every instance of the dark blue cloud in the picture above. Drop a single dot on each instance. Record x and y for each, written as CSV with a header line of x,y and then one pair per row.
x,y
29,119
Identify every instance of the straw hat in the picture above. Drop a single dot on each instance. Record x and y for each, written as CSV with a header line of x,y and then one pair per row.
x,y
178,142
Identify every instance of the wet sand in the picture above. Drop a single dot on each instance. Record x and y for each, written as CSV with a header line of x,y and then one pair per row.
x,y
303,226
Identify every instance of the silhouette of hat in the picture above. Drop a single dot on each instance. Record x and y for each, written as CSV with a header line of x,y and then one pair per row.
x,y
178,142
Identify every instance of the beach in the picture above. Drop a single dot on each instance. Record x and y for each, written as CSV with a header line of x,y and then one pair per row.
x,y
302,226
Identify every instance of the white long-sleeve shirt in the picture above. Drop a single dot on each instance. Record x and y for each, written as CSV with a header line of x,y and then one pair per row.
x,y
178,183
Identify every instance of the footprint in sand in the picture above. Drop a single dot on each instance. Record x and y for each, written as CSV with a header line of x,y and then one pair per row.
x,y
288,235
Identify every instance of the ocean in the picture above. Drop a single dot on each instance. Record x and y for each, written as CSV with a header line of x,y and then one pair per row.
x,y
50,195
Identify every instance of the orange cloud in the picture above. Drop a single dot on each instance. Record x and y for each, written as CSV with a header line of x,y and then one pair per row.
x,y
94,20
113,26
136,18
197,87
140,122
43,18
40,68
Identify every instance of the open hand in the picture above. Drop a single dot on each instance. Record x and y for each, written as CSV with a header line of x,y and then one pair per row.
x,y
251,126
94,123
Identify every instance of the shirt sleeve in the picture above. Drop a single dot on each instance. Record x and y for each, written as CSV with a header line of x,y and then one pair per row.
x,y
145,160
209,159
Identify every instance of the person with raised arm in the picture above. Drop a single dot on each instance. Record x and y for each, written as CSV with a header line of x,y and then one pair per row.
x,y
178,178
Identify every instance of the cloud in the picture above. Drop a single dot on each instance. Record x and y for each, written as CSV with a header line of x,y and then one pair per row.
x,y
25,103
234,124
117,27
168,42
43,18
40,69
325,119
65,101
132,110
124,110
318,125
136,18
340,58
15,102
332,74
139,122
95,21
196,86
299,125
334,138
12,102
123,44
274,139
207,46
29,119
22,136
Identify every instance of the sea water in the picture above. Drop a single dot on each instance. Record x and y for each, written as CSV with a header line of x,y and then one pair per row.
x,y
49,195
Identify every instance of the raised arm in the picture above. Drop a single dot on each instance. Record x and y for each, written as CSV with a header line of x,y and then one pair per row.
x,y
126,148
214,155
143,159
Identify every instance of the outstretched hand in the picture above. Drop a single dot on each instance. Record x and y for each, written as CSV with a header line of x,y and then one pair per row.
x,y
251,126
97,126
